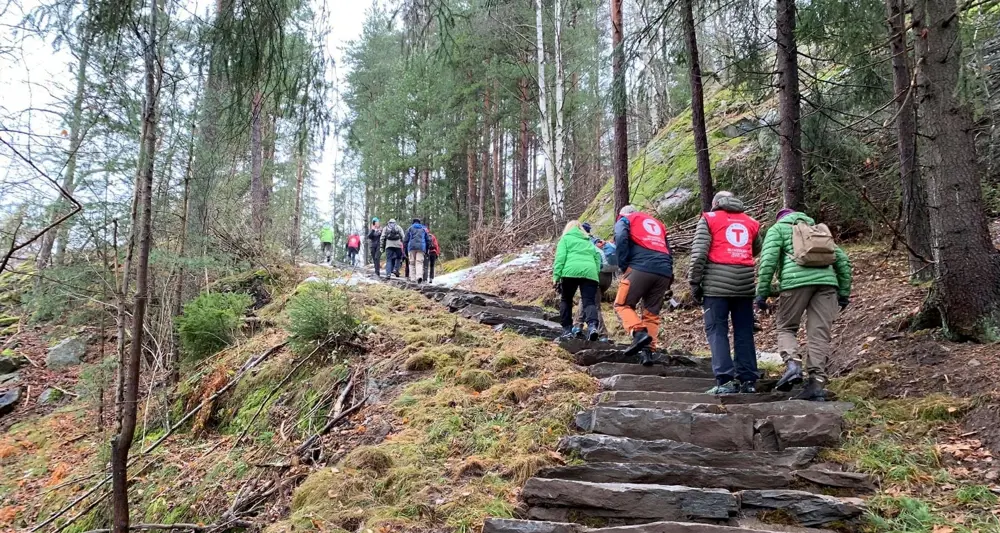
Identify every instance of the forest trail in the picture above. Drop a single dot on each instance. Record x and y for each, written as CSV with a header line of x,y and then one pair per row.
x,y
658,455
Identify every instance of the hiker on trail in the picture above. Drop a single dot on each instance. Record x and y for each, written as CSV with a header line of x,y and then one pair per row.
x,y
392,243
415,244
326,242
433,252
814,277
722,281
374,245
644,257
609,264
353,245
577,265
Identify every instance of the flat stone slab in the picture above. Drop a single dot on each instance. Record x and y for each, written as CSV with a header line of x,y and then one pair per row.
x,y
752,477
807,508
9,400
719,432
606,370
631,500
607,448
513,320
689,397
842,480
823,429
503,525
586,353
790,407
656,384
671,406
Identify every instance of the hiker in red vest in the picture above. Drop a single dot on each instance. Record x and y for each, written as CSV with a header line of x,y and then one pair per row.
x,y
433,251
644,258
353,245
722,280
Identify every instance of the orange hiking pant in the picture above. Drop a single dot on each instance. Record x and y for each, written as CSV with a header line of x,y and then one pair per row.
x,y
649,289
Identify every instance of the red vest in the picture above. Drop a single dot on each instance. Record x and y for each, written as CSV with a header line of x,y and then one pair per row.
x,y
732,237
354,241
647,232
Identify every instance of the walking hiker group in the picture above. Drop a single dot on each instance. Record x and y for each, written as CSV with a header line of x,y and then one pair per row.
x,y
813,278
414,249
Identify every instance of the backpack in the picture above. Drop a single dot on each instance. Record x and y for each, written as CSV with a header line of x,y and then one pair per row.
x,y
609,257
393,233
813,246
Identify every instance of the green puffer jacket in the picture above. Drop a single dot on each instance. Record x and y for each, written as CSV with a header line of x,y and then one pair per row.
x,y
726,281
576,257
777,256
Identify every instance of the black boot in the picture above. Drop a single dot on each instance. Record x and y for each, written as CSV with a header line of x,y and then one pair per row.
x,y
646,357
791,377
812,392
640,339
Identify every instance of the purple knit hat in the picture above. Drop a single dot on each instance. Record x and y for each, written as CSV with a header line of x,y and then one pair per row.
x,y
783,212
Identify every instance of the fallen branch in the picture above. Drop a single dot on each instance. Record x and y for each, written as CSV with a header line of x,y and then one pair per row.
x,y
308,443
180,527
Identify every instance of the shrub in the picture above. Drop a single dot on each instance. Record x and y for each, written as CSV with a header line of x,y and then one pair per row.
x,y
319,313
210,322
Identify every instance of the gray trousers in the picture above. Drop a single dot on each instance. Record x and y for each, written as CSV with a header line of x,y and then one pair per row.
x,y
819,304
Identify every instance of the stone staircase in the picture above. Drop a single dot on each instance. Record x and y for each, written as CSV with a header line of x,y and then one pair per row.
x,y
658,455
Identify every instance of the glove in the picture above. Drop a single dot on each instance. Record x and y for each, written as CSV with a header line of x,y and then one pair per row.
x,y
698,293
557,286
843,301
761,303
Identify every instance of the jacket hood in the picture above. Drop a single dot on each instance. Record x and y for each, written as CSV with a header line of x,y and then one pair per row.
x,y
417,225
577,233
730,204
793,218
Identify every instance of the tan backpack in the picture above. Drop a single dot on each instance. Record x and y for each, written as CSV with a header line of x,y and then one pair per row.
x,y
813,246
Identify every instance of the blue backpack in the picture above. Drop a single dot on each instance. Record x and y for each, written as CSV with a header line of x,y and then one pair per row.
x,y
610,257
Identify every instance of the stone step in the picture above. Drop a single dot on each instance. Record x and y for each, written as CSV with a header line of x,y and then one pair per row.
x,y
508,319
716,431
586,353
807,508
656,384
607,370
715,408
504,525
608,448
819,477
752,477
778,432
630,500
758,410
690,397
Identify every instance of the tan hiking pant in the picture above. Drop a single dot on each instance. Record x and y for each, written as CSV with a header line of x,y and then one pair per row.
x,y
819,303
416,265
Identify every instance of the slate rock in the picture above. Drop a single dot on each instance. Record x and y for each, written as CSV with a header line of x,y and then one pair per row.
x,y
11,362
549,514
606,370
671,406
657,383
607,448
9,399
676,527
11,378
765,438
823,429
50,396
472,311
832,478
631,500
752,477
525,325
503,525
586,353
65,354
719,432
688,397
807,508
790,407
456,300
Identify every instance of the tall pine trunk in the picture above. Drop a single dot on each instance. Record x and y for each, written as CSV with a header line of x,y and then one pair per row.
x,y
522,174
295,237
697,108
470,192
915,216
619,105
258,196
789,106
967,281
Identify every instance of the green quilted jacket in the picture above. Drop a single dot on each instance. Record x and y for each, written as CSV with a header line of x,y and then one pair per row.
x,y
776,257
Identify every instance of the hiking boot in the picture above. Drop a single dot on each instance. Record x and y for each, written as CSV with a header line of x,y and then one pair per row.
x,y
640,339
604,338
567,334
646,357
791,377
593,336
748,387
812,392
730,387
577,332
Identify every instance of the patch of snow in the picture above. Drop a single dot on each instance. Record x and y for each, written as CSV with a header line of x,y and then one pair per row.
x,y
527,258
349,280
769,357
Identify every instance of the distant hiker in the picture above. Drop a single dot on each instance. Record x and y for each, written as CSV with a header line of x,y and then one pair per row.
x,y
814,277
433,252
644,257
577,265
353,245
415,243
722,280
326,242
392,243
605,278
375,245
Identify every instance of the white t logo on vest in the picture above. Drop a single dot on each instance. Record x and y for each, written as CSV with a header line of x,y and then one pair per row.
x,y
651,227
737,234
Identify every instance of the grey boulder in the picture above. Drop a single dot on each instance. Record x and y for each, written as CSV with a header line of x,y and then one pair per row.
x,y
9,399
822,429
720,432
807,508
65,354
11,362
631,500
50,396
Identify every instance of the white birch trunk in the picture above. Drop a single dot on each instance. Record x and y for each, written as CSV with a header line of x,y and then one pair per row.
x,y
555,193
560,133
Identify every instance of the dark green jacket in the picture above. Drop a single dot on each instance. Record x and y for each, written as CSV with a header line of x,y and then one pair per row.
x,y
576,257
776,257
726,281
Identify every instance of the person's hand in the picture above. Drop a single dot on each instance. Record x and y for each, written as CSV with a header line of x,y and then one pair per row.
x,y
557,286
843,302
761,303
698,293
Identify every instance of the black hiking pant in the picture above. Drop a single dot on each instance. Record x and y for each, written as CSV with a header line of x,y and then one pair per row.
x,y
588,293
376,258
352,254
429,267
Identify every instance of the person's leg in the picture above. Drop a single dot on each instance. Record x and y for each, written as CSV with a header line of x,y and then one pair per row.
x,y
410,256
419,266
744,351
431,261
717,332
377,259
656,288
569,286
588,300
625,302
791,305
820,314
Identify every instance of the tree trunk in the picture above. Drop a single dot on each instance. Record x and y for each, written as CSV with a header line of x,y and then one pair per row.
x,y
619,105
967,281
300,178
258,199
545,120
121,442
790,126
497,181
915,216
178,289
470,202
522,175
560,132
698,109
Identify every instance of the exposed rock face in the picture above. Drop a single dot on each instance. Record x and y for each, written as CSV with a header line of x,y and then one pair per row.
x,y
606,448
808,508
65,354
751,477
9,399
720,432
631,500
